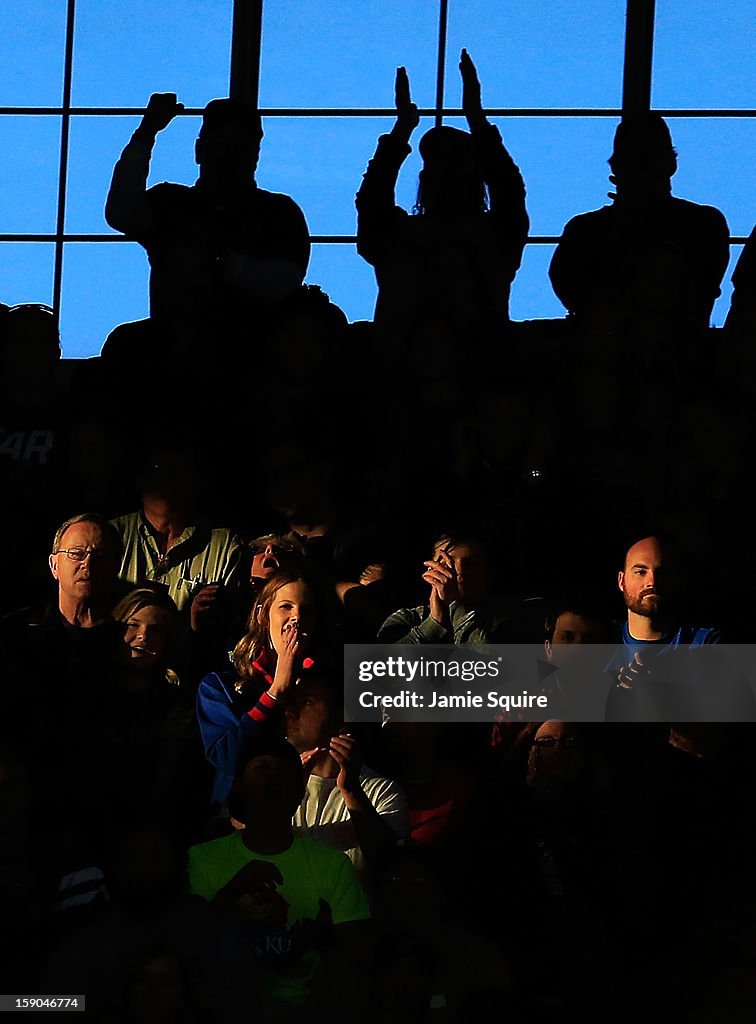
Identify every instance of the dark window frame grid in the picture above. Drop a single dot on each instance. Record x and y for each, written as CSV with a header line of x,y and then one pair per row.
x,y
244,67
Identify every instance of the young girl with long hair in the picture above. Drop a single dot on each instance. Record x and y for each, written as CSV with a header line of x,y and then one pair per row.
x,y
286,632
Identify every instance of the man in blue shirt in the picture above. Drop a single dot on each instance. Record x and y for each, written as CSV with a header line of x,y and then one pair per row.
x,y
650,582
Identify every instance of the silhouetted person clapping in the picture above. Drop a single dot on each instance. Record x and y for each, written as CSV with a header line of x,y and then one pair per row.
x,y
455,259
648,262
223,252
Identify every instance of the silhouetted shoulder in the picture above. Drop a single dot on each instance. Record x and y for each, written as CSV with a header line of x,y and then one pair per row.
x,y
168,192
169,188
672,213
594,220
701,213
283,203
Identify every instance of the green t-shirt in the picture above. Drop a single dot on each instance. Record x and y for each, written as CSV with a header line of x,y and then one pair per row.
x,y
276,914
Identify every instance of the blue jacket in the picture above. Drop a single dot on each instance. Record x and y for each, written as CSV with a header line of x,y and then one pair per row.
x,y
227,723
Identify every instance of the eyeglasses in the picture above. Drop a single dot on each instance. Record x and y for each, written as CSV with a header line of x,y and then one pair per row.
x,y
278,548
80,554
551,742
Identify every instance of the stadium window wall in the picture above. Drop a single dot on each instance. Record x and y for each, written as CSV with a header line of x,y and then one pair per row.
x,y
78,73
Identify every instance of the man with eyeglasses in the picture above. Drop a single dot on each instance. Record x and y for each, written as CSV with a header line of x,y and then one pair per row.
x,y
57,659
84,563
74,634
272,553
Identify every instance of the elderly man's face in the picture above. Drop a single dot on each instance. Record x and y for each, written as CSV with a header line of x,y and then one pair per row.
x,y
85,565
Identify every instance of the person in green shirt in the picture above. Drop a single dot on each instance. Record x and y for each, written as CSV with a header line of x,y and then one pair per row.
x,y
300,911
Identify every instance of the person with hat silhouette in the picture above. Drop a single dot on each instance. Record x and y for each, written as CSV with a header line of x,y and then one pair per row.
x,y
449,265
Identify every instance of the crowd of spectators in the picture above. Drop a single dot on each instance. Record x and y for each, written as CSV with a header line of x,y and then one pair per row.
x,y
240,484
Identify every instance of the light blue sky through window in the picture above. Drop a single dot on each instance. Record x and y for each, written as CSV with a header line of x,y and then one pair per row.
x,y
560,52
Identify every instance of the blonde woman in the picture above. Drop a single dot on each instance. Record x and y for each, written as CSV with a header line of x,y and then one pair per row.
x,y
286,624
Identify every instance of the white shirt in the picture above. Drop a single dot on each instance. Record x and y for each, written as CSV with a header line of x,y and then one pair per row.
x,y
324,816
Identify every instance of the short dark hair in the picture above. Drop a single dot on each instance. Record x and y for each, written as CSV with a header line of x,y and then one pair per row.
x,y
465,532
586,604
221,112
445,141
640,137
267,746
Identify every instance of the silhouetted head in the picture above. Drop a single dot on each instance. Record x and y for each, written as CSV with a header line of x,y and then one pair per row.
x,y
269,782
643,152
169,474
30,325
29,348
307,339
445,143
451,181
410,884
157,987
297,471
228,145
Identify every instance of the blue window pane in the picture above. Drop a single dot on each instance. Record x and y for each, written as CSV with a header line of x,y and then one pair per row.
x,y
716,158
26,272
29,173
96,144
345,54
125,51
173,155
345,278
722,305
320,163
32,44
104,284
532,297
704,54
550,54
